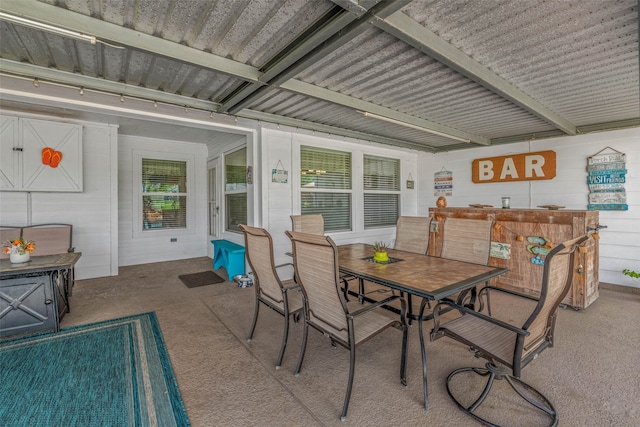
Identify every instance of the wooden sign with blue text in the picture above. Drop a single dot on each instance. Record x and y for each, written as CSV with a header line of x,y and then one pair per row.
x,y
607,176
516,167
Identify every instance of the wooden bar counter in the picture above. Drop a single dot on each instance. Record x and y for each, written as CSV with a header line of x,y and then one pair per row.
x,y
525,269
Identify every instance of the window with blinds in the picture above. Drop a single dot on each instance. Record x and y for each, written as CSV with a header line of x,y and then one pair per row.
x,y
325,179
164,194
381,184
235,172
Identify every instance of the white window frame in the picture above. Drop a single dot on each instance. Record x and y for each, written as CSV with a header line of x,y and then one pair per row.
x,y
347,191
397,191
137,211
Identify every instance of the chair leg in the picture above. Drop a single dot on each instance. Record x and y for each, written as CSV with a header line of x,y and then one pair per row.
x,y
255,320
346,288
303,348
424,354
403,358
352,366
534,397
546,406
285,335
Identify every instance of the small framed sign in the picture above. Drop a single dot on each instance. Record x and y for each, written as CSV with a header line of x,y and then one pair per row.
x,y
279,174
410,182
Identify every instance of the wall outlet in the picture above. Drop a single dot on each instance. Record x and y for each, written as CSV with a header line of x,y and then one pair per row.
x,y
174,239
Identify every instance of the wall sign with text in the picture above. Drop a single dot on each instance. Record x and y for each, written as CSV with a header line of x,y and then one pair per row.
x,y
607,176
516,167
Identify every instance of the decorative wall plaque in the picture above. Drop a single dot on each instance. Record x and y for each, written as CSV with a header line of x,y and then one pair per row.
x,y
607,176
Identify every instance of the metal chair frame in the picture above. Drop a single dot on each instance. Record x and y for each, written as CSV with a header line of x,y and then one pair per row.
x,y
535,335
277,302
327,319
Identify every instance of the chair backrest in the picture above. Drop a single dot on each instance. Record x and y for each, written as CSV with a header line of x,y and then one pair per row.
x,y
8,233
259,253
556,282
316,263
312,223
50,239
467,240
412,234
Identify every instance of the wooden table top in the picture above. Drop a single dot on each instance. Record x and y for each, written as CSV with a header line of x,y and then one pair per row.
x,y
422,275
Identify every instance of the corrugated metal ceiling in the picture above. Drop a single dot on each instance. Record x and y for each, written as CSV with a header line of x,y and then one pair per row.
x,y
486,71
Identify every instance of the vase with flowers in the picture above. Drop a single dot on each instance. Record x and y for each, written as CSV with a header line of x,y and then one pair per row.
x,y
19,249
381,252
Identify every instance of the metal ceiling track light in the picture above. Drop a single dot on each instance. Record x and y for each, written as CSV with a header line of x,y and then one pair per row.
x,y
412,126
46,27
53,29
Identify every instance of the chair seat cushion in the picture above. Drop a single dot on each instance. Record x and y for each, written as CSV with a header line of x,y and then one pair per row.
x,y
485,336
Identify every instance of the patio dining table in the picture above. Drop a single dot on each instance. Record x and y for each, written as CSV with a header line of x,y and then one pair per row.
x,y
431,278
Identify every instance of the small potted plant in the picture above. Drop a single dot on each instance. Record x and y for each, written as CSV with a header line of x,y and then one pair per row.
x,y
381,252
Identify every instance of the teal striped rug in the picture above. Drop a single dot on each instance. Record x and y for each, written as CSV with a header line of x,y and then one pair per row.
x,y
112,373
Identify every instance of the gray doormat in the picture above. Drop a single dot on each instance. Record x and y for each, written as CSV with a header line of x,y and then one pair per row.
x,y
200,279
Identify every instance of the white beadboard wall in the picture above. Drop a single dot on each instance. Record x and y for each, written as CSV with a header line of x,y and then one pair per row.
x,y
157,246
282,200
102,214
619,243
93,212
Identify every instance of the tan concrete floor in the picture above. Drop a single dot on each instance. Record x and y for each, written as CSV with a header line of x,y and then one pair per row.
x,y
591,374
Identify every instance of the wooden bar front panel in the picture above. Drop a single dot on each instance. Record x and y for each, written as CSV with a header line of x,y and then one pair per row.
x,y
525,276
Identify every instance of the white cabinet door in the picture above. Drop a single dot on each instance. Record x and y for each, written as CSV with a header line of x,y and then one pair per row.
x,y
9,154
22,167
62,137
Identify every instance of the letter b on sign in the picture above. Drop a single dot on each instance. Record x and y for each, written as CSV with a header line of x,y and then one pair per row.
x,y
485,172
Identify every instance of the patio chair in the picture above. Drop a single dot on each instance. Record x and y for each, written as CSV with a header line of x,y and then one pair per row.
x,y
314,224
467,240
51,239
54,239
412,235
326,309
280,295
311,223
507,347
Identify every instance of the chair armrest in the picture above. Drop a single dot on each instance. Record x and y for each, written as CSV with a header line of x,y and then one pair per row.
x,y
290,264
377,304
465,310
486,290
507,291
287,288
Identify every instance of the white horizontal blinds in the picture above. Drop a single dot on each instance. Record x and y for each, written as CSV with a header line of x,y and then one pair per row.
x,y
164,194
235,172
381,183
325,178
334,207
